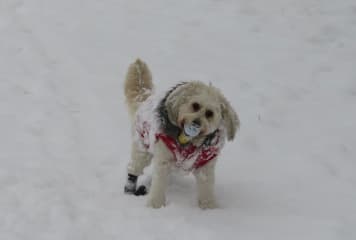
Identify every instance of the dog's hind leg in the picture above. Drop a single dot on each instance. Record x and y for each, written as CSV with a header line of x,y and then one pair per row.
x,y
161,169
139,160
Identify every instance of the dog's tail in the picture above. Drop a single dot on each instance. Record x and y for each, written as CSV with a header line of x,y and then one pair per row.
x,y
138,85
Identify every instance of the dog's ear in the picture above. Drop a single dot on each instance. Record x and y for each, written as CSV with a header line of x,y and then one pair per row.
x,y
230,119
176,97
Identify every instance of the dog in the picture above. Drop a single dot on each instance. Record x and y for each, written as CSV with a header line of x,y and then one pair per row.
x,y
162,128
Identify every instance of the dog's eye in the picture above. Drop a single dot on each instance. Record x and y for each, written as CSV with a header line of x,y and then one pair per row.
x,y
196,107
209,114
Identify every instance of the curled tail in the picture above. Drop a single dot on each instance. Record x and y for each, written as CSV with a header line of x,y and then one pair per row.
x,y
138,85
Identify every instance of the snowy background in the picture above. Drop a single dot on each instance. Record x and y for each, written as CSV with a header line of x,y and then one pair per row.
x,y
288,67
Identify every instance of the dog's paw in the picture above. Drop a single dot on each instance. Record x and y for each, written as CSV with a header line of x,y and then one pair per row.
x,y
156,202
207,204
130,188
141,190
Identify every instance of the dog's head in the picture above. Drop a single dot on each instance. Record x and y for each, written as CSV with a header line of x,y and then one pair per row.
x,y
204,105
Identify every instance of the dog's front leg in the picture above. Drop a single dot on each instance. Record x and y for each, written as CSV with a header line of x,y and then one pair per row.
x,y
205,178
162,160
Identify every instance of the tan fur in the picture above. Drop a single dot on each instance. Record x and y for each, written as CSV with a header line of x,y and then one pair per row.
x,y
138,85
230,118
179,107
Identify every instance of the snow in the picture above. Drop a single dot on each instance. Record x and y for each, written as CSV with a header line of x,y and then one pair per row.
x,y
288,68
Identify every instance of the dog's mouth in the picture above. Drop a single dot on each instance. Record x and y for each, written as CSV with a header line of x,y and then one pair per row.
x,y
183,125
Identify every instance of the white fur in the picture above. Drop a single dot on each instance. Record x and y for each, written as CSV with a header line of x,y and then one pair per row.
x,y
205,178
162,161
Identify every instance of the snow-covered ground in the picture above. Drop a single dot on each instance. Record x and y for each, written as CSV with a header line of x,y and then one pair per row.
x,y
288,67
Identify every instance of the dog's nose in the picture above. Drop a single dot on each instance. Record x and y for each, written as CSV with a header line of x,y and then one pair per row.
x,y
197,122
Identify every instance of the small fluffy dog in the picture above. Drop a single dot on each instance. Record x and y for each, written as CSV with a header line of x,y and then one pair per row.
x,y
186,128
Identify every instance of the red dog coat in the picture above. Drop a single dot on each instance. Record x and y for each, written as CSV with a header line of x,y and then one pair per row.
x,y
187,157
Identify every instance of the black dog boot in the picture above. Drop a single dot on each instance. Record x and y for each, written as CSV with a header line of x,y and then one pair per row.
x,y
130,186
141,190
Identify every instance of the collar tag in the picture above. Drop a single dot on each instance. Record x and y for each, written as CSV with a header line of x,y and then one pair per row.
x,y
183,139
